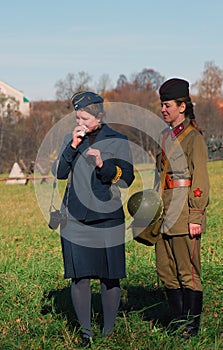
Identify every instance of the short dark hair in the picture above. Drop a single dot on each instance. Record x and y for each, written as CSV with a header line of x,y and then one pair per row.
x,y
95,109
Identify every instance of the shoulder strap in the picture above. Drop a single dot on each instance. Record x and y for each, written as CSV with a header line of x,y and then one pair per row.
x,y
54,186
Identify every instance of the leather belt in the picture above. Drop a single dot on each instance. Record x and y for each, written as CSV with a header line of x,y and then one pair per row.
x,y
170,183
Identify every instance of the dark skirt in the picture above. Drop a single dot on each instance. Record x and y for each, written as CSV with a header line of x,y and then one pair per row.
x,y
95,250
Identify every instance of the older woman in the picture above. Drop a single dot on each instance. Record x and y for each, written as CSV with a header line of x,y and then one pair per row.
x,y
99,161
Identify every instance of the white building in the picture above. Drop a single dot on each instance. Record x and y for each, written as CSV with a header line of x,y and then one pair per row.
x,y
12,100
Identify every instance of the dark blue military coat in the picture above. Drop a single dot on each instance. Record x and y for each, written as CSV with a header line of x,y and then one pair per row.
x,y
94,205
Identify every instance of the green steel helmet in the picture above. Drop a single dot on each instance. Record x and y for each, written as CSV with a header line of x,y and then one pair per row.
x,y
145,206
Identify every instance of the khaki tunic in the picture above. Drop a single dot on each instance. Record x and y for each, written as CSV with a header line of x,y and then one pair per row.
x,y
177,254
185,205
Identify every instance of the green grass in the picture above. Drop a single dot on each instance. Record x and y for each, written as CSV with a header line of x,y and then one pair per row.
x,y
35,306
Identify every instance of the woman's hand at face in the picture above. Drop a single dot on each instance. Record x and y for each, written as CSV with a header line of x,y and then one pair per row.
x,y
78,135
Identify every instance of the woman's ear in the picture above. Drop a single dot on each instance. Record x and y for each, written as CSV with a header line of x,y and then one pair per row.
x,y
99,117
182,107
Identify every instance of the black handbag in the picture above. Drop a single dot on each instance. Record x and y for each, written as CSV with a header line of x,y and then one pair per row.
x,y
57,218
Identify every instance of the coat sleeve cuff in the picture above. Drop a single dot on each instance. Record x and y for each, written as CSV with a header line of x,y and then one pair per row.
x,y
107,172
196,216
69,153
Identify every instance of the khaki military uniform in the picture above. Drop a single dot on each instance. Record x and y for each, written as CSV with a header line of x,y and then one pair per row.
x,y
185,198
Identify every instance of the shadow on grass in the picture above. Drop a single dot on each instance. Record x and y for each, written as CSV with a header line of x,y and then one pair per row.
x,y
59,302
150,303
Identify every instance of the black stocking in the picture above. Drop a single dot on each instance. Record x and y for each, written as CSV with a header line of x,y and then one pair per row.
x,y
81,298
110,297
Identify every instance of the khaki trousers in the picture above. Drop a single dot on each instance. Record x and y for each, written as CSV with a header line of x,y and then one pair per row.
x,y
178,261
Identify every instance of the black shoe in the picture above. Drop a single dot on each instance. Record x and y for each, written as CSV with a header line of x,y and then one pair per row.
x,y
85,342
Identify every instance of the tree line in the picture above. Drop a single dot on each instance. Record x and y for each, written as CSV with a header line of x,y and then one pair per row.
x,y
20,138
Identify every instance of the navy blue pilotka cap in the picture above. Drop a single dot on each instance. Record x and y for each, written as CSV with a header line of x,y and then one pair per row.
x,y
174,88
85,98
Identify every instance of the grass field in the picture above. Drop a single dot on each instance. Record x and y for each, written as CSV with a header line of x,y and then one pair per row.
x,y
35,306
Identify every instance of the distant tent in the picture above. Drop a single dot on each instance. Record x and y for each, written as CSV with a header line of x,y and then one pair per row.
x,y
17,173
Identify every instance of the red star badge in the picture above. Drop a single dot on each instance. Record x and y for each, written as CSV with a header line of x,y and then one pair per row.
x,y
197,192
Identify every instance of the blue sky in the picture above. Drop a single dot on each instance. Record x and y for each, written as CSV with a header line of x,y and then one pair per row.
x,y
42,41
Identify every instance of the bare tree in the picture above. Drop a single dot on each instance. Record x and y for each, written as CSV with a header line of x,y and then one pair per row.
x,y
9,107
122,81
72,83
209,116
104,83
209,87
148,79
82,81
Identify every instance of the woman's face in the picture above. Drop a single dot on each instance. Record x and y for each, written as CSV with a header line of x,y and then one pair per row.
x,y
172,113
87,119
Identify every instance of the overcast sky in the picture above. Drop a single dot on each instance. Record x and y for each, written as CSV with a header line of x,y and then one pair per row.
x,y
42,41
